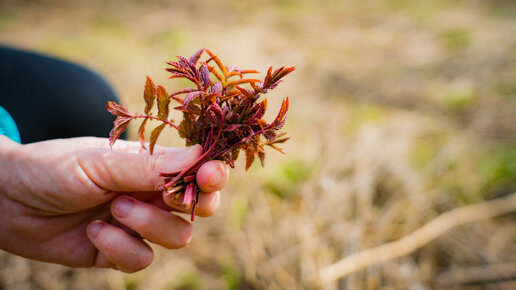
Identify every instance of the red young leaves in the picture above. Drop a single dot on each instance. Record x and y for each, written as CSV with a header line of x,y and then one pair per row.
x,y
149,95
222,115
122,120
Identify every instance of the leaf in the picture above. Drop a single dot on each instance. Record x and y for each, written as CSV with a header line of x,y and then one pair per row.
x,y
282,115
154,136
249,157
117,110
185,91
229,161
189,67
141,133
185,127
269,134
259,111
149,94
163,102
184,68
277,148
190,97
234,154
261,155
221,66
281,140
263,105
273,78
195,57
242,81
209,98
248,93
216,88
205,76
214,107
119,126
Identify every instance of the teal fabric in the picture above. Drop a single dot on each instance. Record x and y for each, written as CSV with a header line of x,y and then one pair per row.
x,y
8,126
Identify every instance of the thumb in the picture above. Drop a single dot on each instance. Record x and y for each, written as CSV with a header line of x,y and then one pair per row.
x,y
121,171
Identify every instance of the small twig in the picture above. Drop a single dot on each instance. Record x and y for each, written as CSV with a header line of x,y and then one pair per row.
x,y
418,238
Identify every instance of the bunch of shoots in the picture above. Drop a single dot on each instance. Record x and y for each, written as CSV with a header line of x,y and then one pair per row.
x,y
223,112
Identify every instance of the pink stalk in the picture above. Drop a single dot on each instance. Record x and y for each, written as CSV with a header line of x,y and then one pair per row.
x,y
188,196
178,177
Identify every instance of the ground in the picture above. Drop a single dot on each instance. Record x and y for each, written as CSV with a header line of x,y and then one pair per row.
x,y
400,110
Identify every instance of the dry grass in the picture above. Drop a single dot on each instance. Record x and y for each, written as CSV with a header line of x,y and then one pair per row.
x,y
402,110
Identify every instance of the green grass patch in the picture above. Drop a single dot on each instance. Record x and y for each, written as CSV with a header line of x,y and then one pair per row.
x,y
171,38
238,210
285,180
505,89
457,39
498,166
230,275
189,280
459,98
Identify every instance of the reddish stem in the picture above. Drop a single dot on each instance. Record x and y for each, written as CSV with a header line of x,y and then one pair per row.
x,y
236,144
156,118
180,175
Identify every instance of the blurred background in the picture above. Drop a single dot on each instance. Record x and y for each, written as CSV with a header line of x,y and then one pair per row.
x,y
401,110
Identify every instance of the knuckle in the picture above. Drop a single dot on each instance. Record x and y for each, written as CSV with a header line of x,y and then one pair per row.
x,y
152,163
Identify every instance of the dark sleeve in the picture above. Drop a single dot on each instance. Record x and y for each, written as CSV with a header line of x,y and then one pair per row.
x,y
51,98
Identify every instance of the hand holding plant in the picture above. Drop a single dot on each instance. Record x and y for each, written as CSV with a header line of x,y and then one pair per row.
x,y
218,113
77,203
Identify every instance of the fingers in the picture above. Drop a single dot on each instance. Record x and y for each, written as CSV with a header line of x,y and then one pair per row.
x,y
116,246
209,203
156,225
79,143
101,261
212,176
120,145
121,171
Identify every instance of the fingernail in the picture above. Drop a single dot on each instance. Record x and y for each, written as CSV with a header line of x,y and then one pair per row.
x,y
94,228
122,207
216,176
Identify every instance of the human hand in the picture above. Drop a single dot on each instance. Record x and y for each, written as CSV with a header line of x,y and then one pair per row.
x,y
77,203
